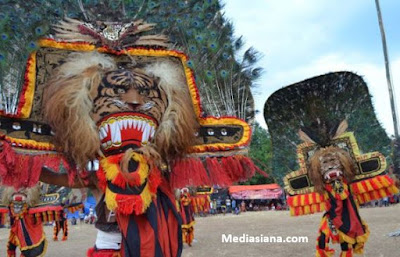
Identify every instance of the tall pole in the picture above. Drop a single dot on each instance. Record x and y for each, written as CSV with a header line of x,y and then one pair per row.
x,y
387,67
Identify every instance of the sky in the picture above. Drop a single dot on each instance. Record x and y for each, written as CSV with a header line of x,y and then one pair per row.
x,y
299,39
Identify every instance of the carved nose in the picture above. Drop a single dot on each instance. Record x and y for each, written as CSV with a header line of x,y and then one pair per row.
x,y
132,98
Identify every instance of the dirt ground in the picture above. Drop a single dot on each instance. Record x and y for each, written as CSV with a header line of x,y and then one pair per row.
x,y
209,230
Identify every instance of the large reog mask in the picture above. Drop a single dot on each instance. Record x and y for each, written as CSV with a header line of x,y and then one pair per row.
x,y
88,94
92,104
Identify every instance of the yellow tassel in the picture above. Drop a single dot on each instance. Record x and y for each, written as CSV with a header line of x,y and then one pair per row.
x,y
367,197
359,249
345,238
302,200
111,200
111,169
369,186
393,189
360,187
143,167
378,194
385,181
314,208
377,182
146,197
344,253
363,238
310,199
307,209
296,200
382,193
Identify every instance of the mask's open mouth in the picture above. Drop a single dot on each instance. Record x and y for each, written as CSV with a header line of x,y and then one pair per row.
x,y
17,197
125,129
333,174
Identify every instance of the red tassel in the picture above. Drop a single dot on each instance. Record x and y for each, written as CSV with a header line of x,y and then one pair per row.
x,y
193,172
260,171
178,174
204,179
217,174
23,170
198,174
234,168
7,162
92,252
7,155
189,172
36,169
119,180
128,204
249,166
102,179
154,180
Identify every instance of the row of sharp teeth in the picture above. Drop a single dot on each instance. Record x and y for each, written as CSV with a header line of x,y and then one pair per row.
x,y
114,129
338,174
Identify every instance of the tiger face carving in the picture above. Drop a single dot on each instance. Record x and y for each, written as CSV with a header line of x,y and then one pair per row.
x,y
128,105
331,164
19,200
93,105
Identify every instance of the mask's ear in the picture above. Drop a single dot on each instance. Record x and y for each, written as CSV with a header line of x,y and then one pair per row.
x,y
6,195
315,172
341,128
67,105
348,164
304,137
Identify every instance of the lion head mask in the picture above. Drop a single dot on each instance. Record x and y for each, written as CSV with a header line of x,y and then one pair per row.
x,y
330,164
94,104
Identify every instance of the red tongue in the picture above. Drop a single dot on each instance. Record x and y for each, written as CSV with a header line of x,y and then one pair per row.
x,y
18,198
333,173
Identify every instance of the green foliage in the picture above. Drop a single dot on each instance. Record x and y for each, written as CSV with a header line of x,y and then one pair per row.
x,y
261,153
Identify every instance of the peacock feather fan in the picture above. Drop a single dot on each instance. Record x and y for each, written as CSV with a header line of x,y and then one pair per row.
x,y
198,28
317,106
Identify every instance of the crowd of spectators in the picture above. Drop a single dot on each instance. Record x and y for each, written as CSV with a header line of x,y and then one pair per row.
x,y
234,206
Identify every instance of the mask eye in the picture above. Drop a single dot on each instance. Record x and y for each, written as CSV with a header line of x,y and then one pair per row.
x,y
121,91
144,92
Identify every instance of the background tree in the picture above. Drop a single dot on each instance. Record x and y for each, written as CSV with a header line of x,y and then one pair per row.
x,y
261,153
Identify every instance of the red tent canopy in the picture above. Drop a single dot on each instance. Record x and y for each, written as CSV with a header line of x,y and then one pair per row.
x,y
267,191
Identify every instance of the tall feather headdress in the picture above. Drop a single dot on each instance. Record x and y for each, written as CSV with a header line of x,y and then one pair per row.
x,y
116,29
